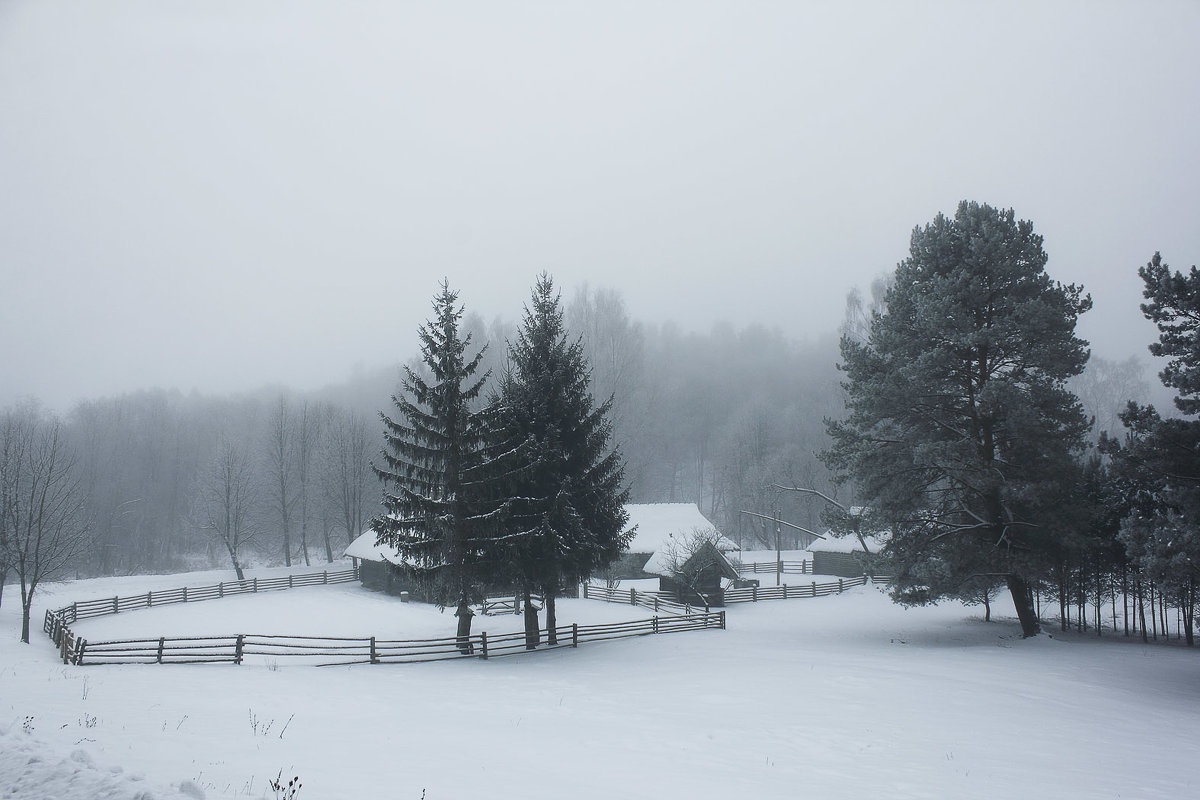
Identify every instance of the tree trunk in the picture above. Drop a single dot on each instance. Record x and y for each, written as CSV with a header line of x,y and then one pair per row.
x,y
1153,615
1141,611
237,567
1189,612
1063,620
1022,596
987,606
464,614
533,634
551,618
3,580
1125,599
26,608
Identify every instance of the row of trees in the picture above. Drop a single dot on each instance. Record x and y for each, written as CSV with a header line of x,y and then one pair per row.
x,y
520,487
157,481
964,440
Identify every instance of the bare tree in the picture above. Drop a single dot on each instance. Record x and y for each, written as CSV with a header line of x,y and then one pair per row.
x,y
227,503
348,475
694,563
310,427
279,457
42,522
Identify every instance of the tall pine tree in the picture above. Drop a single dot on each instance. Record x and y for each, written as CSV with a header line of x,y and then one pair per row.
x,y
440,499
568,502
960,432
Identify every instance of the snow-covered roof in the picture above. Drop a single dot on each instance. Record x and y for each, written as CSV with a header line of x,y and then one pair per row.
x,y
658,524
847,544
666,559
364,547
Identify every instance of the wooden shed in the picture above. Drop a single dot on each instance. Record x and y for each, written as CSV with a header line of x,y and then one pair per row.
x,y
697,577
380,567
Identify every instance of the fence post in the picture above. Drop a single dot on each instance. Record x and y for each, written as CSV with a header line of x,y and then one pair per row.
x,y
289,581
785,591
325,573
574,634
722,620
185,594
632,597
79,652
585,591
840,587
374,654
483,645
237,653
74,612
814,588
754,593
654,624
656,604
161,641
149,599
116,600
221,589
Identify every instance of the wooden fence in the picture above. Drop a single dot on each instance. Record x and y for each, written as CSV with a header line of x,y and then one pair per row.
x,y
330,650
775,568
633,597
325,650
191,594
753,594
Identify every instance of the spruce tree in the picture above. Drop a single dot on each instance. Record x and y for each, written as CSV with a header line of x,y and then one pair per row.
x,y
441,507
960,432
568,501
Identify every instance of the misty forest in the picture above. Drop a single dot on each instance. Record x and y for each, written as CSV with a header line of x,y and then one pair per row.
x,y
955,412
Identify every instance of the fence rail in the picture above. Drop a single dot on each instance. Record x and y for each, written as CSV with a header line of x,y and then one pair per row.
x,y
332,650
753,594
650,600
327,650
775,568
86,609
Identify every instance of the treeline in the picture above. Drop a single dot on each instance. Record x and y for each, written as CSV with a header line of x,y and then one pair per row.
x,y
711,418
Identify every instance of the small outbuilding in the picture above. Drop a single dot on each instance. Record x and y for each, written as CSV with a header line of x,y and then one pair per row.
x,y
844,556
380,567
677,544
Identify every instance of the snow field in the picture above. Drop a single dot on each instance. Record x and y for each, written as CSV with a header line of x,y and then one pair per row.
x,y
843,696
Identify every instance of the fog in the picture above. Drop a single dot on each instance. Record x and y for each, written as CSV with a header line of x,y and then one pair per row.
x,y
221,195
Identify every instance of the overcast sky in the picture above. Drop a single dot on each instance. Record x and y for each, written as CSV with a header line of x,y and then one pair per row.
x,y
220,194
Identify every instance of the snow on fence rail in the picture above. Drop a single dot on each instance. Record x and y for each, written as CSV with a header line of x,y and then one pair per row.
x,y
633,597
330,650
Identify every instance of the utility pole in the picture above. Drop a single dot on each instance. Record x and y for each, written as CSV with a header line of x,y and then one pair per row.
x,y
779,523
778,552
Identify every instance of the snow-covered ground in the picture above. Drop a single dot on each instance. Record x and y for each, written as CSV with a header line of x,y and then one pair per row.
x,y
843,696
